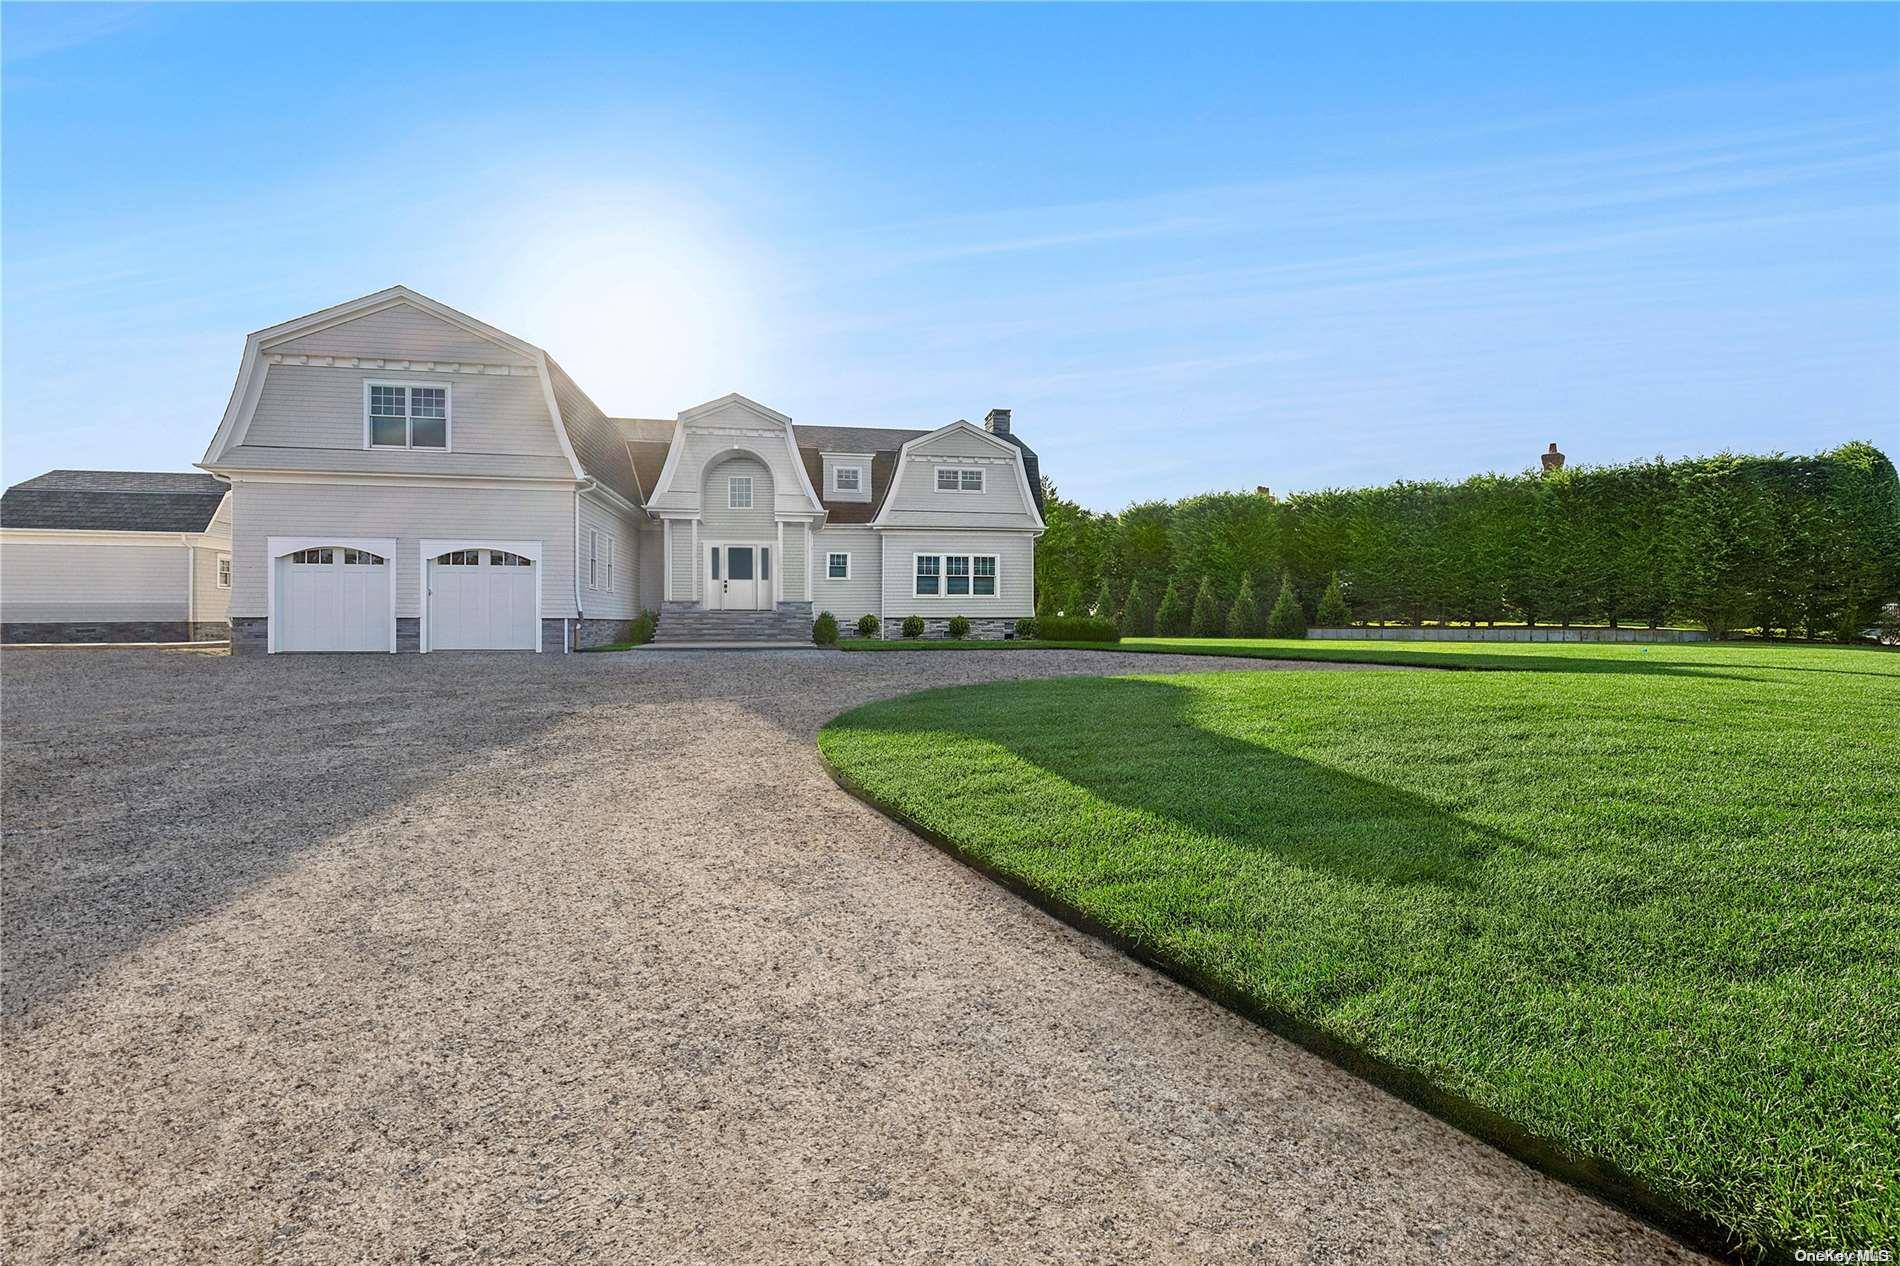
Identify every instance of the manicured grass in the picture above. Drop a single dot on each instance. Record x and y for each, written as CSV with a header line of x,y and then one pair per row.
x,y
1640,901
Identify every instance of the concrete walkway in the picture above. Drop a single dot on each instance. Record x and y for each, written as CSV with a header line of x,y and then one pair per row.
x,y
537,958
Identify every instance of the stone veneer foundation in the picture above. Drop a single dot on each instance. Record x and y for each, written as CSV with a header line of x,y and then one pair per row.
x,y
115,631
986,629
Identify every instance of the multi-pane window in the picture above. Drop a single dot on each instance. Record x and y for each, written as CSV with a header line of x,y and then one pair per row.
x,y
957,574
502,558
838,566
224,571
408,417
460,558
847,478
959,479
600,561
739,492
314,556
361,558
983,576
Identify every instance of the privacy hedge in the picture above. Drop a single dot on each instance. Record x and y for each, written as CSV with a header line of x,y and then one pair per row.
x,y
1803,546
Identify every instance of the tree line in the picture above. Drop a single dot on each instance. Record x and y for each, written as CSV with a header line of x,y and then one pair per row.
x,y
1795,546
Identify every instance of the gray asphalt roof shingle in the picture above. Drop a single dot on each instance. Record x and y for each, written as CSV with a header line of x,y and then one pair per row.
x,y
114,501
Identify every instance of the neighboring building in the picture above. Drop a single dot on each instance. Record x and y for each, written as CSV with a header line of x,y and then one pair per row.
x,y
115,556
405,477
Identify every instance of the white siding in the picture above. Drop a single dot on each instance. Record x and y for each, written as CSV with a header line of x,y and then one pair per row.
x,y
847,599
210,604
1015,567
792,560
652,566
405,332
408,512
47,583
719,522
623,601
915,501
685,570
499,426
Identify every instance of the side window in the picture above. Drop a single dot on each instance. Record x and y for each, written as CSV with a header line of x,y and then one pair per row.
x,y
593,559
929,571
224,571
838,567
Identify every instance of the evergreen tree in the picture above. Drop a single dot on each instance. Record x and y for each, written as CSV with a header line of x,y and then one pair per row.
x,y
1333,612
1171,617
1243,618
1287,619
1207,620
1138,616
1103,608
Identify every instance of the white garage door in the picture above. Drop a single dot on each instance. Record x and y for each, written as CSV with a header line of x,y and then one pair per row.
x,y
330,598
482,600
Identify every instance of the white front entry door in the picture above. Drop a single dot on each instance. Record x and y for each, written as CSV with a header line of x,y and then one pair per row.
x,y
482,600
330,598
739,577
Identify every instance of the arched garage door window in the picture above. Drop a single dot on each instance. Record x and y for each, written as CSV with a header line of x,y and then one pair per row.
x,y
482,599
331,598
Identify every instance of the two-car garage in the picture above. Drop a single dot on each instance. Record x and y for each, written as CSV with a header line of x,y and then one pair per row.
x,y
341,595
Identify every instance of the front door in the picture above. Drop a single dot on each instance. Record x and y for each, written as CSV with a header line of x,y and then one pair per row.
x,y
739,577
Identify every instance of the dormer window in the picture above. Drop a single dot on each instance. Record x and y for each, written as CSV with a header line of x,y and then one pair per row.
x,y
847,478
959,479
403,415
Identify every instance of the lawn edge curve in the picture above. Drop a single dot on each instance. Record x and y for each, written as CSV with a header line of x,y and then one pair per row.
x,y
1586,1173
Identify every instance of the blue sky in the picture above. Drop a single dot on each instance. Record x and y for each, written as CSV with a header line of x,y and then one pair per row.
x,y
1192,248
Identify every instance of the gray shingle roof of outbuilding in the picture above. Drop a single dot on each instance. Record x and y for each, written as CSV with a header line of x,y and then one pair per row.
x,y
114,501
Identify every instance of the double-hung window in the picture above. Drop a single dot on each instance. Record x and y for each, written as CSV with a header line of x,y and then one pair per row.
x,y
407,416
224,571
959,479
837,567
847,478
600,561
956,575
739,492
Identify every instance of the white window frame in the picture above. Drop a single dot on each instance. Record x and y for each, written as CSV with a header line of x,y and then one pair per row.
x,y
593,558
982,478
943,575
732,490
609,586
857,474
838,553
409,417
223,571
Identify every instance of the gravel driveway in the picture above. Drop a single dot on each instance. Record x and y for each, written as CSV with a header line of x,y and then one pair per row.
x,y
535,958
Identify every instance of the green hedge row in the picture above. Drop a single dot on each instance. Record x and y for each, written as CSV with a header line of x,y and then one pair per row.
x,y
1805,546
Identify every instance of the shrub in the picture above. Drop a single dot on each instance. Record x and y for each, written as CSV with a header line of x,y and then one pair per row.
x,y
1333,612
1077,628
1027,628
868,625
1138,614
913,626
1171,617
1047,604
824,630
640,632
1206,621
1286,619
1243,618
959,627
1103,608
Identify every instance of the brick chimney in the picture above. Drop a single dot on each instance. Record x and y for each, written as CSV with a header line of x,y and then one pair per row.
x,y
1552,459
996,421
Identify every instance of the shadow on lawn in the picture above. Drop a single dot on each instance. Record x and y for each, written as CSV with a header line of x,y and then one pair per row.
x,y
1136,744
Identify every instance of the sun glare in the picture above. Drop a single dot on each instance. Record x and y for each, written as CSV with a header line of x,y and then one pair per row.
x,y
650,310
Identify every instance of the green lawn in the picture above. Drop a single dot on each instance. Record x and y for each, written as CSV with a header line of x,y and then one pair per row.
x,y
1643,902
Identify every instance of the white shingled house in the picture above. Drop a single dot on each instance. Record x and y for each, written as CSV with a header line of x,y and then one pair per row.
x,y
404,477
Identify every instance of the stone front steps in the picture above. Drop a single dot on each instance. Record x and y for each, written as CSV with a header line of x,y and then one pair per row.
x,y
686,622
